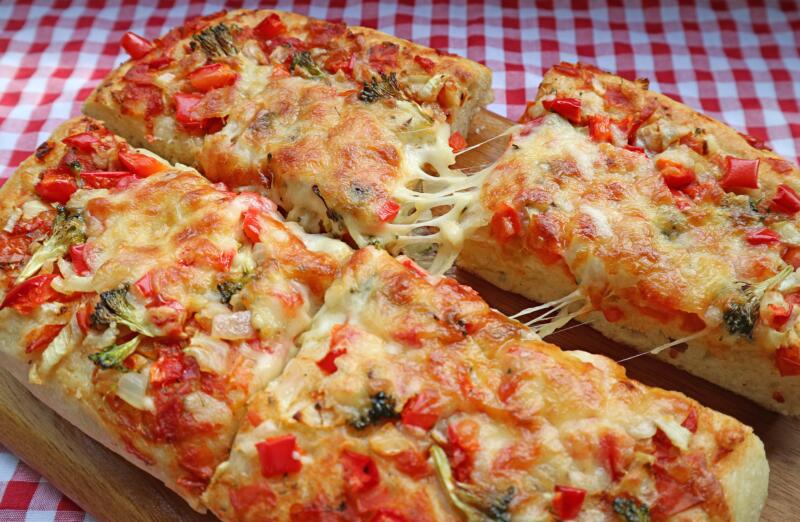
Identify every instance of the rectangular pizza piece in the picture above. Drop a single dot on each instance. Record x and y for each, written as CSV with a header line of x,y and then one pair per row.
x,y
410,399
657,224
348,129
145,304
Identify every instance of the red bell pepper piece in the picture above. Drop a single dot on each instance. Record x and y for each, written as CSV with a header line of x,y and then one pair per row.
x,y
505,223
421,410
778,315
251,225
763,236
567,502
136,46
360,472
105,180
569,108
145,286
29,294
634,148
600,129
83,141
786,200
56,187
141,165
77,254
184,104
269,27
457,142
341,60
212,76
388,211
276,455
690,422
44,337
427,64
740,173
676,176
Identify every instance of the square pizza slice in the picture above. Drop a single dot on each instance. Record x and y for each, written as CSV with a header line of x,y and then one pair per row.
x,y
659,225
410,399
145,304
348,129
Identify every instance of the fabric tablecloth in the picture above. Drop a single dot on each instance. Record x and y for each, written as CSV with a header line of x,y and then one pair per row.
x,y
736,61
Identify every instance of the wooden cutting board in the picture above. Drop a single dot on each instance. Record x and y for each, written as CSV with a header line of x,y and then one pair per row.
x,y
111,489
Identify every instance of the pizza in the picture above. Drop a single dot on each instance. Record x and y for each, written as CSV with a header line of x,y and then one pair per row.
x,y
411,399
349,130
145,304
660,226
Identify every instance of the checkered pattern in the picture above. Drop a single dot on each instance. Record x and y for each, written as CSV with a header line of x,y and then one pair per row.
x,y
738,62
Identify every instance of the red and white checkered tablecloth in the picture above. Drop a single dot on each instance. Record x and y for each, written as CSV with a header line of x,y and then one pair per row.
x,y
737,61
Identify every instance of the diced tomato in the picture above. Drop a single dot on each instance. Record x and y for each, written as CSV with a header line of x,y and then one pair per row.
x,y
269,27
690,422
56,187
569,108
360,472
136,46
43,337
166,370
567,502
427,64
251,225
792,256
388,211
676,176
740,173
141,165
600,129
212,76
77,254
413,463
786,200
184,105
788,361
457,142
277,456
341,60
105,180
463,438
83,141
505,223
778,315
421,410
145,286
29,294
763,236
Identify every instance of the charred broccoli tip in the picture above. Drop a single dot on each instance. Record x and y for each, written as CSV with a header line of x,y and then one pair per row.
x,y
113,357
68,229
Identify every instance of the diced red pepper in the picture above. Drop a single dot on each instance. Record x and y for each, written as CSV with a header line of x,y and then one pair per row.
x,y
83,141
633,148
778,315
276,455
676,176
792,256
786,200
763,236
184,104
388,211
610,455
29,294
600,129
141,165
788,361
77,254
427,64
341,60
413,463
457,142
136,46
690,422
83,317
251,225
56,187
44,336
212,76
567,502
740,173
505,223
145,286
105,180
421,410
360,472
328,363
269,27
569,108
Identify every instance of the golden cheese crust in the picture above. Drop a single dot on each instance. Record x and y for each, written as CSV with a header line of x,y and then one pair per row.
x,y
410,399
335,123
669,224
175,302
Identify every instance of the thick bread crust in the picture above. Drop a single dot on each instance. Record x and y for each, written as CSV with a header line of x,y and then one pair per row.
x,y
86,420
744,475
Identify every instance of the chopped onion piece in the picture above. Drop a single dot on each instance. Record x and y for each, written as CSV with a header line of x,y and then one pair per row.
x,y
211,354
132,388
234,325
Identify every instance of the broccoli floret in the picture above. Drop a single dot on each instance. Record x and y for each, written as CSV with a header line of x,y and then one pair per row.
x,y
215,41
381,408
113,357
228,289
376,89
498,510
304,60
741,313
115,307
68,229
631,510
